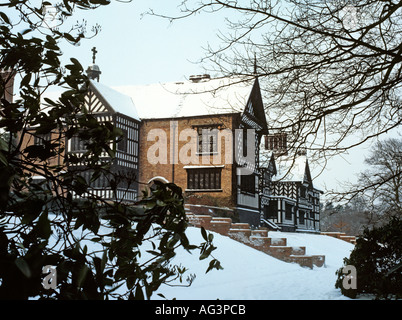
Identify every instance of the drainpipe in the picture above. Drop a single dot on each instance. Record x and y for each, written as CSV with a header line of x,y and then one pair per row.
x,y
173,127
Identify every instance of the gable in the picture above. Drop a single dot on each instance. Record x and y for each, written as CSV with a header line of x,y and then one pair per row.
x,y
291,168
101,98
254,115
94,103
307,175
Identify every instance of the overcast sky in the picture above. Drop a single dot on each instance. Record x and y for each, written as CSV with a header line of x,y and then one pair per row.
x,y
137,49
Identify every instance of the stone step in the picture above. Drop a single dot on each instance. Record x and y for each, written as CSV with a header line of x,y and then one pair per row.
x,y
280,252
351,239
260,233
200,221
257,239
334,234
340,235
242,235
260,243
302,260
298,251
222,219
240,226
221,227
309,260
318,260
278,242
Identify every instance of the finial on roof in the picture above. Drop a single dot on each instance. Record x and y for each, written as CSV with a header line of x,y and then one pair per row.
x,y
255,63
93,71
94,52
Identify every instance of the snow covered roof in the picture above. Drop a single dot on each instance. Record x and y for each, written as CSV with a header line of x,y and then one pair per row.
x,y
178,99
291,168
119,102
115,100
190,98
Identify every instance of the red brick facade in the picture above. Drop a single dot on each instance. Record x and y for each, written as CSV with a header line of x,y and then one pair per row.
x,y
167,147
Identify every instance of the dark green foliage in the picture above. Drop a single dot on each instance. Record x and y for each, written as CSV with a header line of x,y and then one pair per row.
x,y
100,250
378,261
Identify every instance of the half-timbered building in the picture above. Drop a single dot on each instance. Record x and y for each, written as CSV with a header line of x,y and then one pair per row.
x,y
268,172
208,136
195,134
291,203
108,105
105,105
204,134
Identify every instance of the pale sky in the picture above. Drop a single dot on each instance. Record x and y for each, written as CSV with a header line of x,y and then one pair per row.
x,y
140,50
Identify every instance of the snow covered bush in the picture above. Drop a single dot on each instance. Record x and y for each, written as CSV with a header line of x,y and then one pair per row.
x,y
377,258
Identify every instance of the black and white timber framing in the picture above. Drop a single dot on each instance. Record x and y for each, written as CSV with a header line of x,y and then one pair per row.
x,y
104,104
248,194
290,202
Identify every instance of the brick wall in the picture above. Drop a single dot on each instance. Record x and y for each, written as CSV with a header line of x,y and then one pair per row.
x,y
28,139
153,132
58,160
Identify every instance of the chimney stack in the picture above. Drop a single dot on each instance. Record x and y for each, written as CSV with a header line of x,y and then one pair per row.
x,y
200,78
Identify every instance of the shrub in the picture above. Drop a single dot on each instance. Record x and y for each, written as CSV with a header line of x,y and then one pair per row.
x,y
377,258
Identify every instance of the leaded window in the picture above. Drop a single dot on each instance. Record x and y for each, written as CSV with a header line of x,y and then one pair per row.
x,y
204,179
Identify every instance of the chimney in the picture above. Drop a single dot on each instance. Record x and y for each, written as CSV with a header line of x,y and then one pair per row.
x,y
200,78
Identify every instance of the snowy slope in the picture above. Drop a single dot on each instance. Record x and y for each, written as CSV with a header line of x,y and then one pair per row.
x,y
250,274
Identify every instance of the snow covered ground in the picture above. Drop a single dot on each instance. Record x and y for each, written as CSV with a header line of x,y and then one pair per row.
x,y
252,275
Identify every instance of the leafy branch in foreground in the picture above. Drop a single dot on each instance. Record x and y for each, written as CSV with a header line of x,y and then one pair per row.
x,y
100,249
